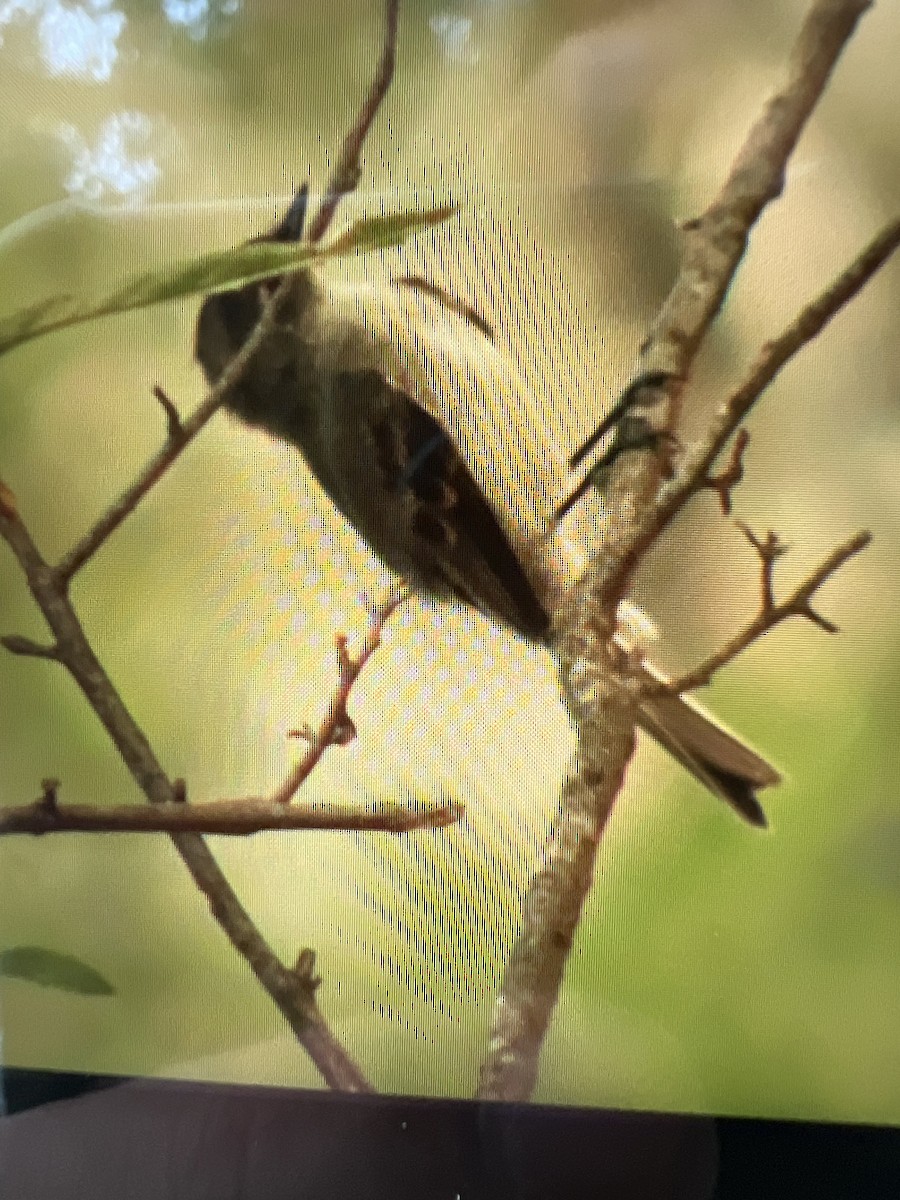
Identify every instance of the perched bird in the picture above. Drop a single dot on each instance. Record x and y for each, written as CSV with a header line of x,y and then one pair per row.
x,y
388,444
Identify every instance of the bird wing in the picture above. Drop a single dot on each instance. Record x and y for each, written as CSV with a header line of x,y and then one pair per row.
x,y
410,494
445,364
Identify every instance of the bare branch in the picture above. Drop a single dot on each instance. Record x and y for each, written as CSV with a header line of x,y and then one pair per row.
x,y
182,433
292,990
154,470
769,550
534,971
174,427
599,687
714,243
296,1003
345,177
798,604
725,481
770,360
712,247
16,644
231,818
337,728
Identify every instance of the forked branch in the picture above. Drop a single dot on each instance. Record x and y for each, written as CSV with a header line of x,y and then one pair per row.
x,y
773,356
636,496
772,612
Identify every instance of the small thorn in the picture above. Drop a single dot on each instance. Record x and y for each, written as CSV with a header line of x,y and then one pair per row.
x,y
174,426
49,799
8,505
305,733
305,968
345,662
817,619
290,228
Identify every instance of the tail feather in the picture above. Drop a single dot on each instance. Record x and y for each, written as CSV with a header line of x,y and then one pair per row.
x,y
714,755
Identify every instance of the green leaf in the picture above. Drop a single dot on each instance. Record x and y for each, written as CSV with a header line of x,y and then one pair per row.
x,y
381,233
49,969
217,271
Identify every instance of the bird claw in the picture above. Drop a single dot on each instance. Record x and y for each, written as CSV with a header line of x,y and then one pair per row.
x,y
633,431
631,398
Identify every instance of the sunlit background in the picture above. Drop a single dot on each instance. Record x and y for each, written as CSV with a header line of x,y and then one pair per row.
x,y
716,968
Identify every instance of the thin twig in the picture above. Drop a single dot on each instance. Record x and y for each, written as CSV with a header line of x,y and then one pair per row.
x,y
174,428
727,479
447,301
774,355
770,614
230,818
344,180
346,174
16,644
9,506
157,466
336,727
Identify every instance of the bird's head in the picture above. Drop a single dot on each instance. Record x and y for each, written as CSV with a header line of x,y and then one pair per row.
x,y
226,319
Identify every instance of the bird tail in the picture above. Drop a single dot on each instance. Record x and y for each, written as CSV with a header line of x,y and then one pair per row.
x,y
713,755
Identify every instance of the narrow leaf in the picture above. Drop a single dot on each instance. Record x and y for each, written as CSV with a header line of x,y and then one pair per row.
x,y
217,271
50,969
381,233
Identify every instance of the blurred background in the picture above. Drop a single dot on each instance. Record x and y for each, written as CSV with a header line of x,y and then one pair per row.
x,y
716,969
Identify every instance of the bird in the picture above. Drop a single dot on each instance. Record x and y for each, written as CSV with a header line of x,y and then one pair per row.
x,y
411,474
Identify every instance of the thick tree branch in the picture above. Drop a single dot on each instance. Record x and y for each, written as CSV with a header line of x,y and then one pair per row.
x,y
597,681
534,970
713,245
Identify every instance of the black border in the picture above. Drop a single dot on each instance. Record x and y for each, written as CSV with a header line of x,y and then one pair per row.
x,y
109,1138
